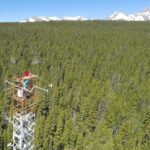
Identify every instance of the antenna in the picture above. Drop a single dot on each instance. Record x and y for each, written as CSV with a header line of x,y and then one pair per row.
x,y
24,95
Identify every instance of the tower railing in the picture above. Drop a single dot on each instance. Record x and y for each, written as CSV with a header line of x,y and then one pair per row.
x,y
23,119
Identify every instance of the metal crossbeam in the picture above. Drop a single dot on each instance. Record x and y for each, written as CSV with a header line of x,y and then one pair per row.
x,y
23,120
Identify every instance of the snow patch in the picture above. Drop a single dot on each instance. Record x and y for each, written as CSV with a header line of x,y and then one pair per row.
x,y
43,18
141,16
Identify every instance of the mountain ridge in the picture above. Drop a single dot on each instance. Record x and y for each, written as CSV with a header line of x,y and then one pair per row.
x,y
116,16
53,18
141,16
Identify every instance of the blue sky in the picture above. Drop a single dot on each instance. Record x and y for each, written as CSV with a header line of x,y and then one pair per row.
x,y
14,10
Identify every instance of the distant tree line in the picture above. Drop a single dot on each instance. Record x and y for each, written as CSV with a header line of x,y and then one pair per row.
x,y
100,72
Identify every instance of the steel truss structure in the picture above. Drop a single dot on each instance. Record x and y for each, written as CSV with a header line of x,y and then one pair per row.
x,y
23,119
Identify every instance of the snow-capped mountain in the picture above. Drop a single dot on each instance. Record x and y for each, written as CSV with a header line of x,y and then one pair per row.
x,y
142,16
42,18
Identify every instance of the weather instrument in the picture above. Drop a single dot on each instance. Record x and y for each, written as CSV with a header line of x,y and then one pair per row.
x,y
24,94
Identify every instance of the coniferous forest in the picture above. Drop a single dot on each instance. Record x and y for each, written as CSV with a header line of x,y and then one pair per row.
x,y
100,71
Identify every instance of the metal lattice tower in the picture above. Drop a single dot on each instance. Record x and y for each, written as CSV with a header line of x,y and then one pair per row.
x,y
23,119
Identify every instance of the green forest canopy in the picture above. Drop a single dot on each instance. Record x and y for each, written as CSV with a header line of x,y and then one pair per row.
x,y
100,71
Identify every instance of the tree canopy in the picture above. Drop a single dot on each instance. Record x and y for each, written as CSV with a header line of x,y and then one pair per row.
x,y
100,71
